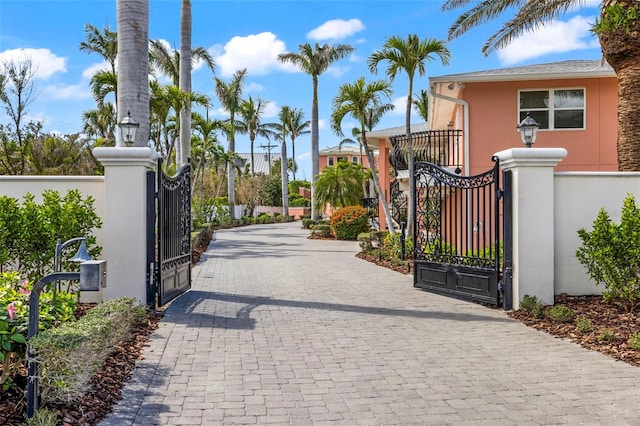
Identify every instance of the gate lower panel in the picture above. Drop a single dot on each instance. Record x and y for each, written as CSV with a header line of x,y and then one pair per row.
x,y
459,281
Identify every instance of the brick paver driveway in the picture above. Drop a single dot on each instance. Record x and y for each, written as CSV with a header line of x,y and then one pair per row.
x,y
280,329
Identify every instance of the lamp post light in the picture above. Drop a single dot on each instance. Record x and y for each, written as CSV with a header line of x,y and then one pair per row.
x,y
82,255
528,129
128,128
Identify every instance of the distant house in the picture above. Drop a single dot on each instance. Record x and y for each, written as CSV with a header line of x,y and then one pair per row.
x,y
351,153
474,115
263,161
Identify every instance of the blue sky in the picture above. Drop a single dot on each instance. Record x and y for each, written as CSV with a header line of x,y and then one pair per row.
x,y
251,34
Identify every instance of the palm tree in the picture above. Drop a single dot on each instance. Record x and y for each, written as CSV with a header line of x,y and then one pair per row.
x,y
340,185
282,130
205,144
315,60
133,65
185,81
409,55
101,123
617,31
102,84
353,140
104,43
296,127
251,112
421,102
230,96
361,100
167,61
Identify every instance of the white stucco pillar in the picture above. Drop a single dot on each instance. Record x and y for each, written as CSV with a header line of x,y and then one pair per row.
x,y
533,233
125,219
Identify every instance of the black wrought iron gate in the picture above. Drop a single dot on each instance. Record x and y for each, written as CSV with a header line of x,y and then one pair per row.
x,y
168,234
457,245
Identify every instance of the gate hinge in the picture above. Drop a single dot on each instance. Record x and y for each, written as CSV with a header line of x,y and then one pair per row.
x,y
500,193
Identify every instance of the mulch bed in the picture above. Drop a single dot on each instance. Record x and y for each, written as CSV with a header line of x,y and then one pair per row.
x,y
106,385
603,316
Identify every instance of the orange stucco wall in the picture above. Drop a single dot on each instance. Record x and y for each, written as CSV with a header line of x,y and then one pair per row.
x,y
493,116
324,159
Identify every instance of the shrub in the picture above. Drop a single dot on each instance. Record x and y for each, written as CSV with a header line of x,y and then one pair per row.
x,y
392,244
14,319
364,239
28,231
611,254
561,313
321,230
606,335
583,324
634,341
71,353
307,223
43,417
347,222
531,305
296,200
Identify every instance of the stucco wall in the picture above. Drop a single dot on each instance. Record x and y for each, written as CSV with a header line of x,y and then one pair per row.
x,y
18,186
577,201
493,116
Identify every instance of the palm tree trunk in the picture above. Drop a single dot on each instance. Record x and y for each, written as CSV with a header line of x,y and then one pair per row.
x,y
133,65
285,180
231,183
185,81
376,182
293,156
252,139
412,186
621,48
314,148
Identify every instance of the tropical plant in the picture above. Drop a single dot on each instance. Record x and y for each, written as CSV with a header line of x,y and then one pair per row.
x,y
409,56
296,128
360,100
167,61
617,30
339,185
230,96
251,112
611,254
103,83
104,43
100,123
421,103
206,148
315,60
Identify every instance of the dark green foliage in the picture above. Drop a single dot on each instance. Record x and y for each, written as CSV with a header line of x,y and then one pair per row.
x,y
616,16
295,185
296,200
270,193
347,222
307,223
611,254
28,231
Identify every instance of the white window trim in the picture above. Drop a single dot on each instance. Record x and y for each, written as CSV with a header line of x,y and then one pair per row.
x,y
551,108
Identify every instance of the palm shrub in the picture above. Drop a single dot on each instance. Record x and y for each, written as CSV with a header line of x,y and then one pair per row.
x,y
347,222
611,254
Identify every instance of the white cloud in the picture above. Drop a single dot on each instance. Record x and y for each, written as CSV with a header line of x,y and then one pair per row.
x,y
90,72
74,91
45,63
322,123
271,110
400,106
336,29
555,37
254,87
337,71
256,52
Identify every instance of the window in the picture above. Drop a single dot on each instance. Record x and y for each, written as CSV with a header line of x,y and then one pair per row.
x,y
342,159
354,160
330,161
554,109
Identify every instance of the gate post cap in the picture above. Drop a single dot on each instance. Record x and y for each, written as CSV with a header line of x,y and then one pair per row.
x,y
530,157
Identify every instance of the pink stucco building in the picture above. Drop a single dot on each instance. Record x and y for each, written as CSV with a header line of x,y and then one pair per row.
x,y
474,115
